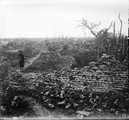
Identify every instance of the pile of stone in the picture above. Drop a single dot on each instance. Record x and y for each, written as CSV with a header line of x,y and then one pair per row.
x,y
74,90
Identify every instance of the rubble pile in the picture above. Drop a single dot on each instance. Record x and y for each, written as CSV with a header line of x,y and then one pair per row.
x,y
88,91
53,93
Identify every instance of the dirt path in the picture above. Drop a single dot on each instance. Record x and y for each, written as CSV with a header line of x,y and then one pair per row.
x,y
37,109
30,62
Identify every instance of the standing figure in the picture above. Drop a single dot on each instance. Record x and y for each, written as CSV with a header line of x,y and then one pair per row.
x,y
21,60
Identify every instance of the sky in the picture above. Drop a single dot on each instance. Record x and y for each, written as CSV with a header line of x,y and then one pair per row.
x,y
56,18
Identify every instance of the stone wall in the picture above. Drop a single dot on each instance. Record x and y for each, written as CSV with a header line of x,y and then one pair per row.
x,y
103,76
109,81
107,75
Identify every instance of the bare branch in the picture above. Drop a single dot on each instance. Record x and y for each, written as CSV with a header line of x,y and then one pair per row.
x,y
114,29
90,25
109,26
121,25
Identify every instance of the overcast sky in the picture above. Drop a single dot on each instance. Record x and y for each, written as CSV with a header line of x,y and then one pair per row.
x,y
53,18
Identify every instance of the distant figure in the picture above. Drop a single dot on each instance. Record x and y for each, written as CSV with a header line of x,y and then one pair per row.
x,y
21,59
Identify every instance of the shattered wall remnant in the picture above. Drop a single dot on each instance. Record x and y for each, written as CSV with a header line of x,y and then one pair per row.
x,y
103,76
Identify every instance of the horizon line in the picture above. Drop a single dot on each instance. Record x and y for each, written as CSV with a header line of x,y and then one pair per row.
x,y
39,37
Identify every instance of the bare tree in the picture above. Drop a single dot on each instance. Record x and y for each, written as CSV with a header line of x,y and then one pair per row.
x,y
90,26
100,36
111,43
123,43
121,25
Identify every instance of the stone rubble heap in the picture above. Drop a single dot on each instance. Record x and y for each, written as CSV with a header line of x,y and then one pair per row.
x,y
94,88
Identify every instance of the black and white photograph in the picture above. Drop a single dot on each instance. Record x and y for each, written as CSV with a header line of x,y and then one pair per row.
x,y
64,59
